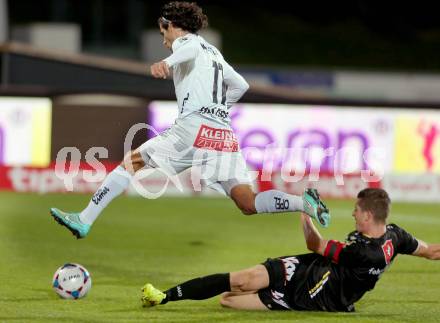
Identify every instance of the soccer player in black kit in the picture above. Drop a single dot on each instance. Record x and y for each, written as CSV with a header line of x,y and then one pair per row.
x,y
332,278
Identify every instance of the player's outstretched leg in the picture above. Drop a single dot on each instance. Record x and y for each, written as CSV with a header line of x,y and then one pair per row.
x,y
71,221
240,283
275,201
315,208
271,201
195,289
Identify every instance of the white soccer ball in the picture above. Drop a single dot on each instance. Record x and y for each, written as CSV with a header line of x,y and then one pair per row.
x,y
72,281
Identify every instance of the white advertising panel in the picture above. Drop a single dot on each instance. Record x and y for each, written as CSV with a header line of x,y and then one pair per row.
x,y
334,139
25,130
304,137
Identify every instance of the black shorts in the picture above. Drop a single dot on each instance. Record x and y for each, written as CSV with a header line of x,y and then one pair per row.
x,y
281,271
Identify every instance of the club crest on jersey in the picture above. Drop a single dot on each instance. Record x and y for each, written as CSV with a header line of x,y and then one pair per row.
x,y
388,251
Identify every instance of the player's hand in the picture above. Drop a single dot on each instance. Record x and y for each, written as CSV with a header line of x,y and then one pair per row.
x,y
160,70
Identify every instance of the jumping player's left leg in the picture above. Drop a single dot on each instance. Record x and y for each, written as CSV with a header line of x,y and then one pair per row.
x,y
274,201
271,201
238,187
240,284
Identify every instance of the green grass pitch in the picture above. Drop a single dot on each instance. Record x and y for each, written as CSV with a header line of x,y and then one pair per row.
x,y
170,240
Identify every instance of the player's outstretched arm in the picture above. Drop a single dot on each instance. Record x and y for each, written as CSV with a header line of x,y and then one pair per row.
x,y
428,251
313,238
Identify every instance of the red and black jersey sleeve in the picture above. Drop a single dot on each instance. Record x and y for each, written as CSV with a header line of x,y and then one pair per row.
x,y
333,250
348,254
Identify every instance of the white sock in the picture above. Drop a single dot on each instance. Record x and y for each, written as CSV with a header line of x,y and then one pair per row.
x,y
114,184
274,201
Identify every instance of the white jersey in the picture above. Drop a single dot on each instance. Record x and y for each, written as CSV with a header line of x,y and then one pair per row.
x,y
204,82
206,87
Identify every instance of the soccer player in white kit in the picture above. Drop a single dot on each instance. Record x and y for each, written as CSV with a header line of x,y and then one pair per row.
x,y
206,88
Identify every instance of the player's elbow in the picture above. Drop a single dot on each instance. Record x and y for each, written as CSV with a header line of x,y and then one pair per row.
x,y
310,247
244,87
313,245
241,87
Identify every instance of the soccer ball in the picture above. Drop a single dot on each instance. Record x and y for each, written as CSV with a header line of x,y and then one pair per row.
x,y
71,281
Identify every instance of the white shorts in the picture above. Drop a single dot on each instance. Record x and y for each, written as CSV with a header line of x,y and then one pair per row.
x,y
209,148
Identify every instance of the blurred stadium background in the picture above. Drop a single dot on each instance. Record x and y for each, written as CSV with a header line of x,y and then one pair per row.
x,y
357,75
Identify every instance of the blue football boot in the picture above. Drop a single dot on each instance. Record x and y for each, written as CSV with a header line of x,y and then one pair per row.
x,y
71,221
315,208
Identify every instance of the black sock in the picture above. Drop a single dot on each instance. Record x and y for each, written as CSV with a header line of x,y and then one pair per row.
x,y
199,288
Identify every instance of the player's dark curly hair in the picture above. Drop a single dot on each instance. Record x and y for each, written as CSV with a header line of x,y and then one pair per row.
x,y
186,15
377,201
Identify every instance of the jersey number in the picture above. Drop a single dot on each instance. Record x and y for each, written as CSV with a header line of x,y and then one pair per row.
x,y
218,67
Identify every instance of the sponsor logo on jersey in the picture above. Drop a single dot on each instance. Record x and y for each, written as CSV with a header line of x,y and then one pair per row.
x,y
388,251
214,112
376,271
99,195
216,139
290,266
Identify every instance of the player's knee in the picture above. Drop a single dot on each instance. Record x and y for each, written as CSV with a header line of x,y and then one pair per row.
x,y
225,300
127,161
247,207
240,281
132,162
244,198
247,210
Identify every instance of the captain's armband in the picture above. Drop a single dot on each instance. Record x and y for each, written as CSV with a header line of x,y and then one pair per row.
x,y
333,250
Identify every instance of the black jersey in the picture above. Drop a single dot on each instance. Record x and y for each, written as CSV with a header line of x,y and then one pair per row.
x,y
335,281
